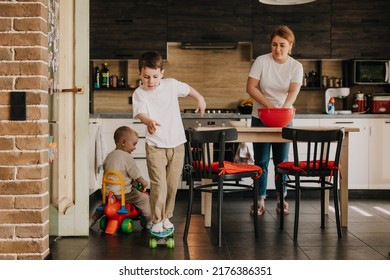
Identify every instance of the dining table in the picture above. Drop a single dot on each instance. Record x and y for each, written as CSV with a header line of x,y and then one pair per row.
x,y
274,135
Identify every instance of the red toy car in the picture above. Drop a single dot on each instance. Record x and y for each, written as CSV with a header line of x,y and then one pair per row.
x,y
118,213
115,216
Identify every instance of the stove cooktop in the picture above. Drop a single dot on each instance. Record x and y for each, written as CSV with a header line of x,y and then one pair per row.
x,y
213,111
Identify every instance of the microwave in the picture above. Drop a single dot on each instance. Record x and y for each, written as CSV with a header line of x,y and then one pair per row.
x,y
368,72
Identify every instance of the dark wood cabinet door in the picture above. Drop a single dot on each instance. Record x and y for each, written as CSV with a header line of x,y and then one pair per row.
x,y
123,29
360,29
210,20
309,22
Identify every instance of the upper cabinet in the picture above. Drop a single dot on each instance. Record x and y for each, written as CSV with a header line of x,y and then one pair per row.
x,y
324,29
123,29
210,20
311,24
360,29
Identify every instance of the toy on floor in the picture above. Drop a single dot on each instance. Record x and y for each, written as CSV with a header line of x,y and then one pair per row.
x,y
162,238
118,213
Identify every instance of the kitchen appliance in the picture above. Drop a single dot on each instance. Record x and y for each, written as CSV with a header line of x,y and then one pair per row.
x,y
340,96
368,72
210,45
380,104
213,117
361,103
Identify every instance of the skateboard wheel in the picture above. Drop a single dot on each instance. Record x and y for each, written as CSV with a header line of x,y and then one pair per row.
x,y
103,223
153,243
127,225
170,243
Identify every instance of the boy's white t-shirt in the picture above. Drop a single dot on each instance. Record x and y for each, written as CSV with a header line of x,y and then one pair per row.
x,y
124,163
275,79
162,106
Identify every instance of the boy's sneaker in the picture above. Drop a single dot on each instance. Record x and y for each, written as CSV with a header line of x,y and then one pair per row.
x,y
148,225
157,228
260,208
167,224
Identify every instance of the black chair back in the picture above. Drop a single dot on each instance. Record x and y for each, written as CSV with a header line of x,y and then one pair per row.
x,y
199,148
318,147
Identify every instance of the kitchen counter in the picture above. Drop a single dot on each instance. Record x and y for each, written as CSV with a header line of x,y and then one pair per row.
x,y
247,116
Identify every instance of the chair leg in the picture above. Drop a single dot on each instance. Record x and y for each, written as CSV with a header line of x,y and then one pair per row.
x,y
255,206
219,212
323,202
189,209
281,203
297,205
336,205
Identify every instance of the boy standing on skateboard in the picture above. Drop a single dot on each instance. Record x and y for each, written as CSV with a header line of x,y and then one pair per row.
x,y
156,104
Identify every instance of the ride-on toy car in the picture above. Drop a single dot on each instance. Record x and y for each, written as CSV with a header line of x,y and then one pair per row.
x,y
118,213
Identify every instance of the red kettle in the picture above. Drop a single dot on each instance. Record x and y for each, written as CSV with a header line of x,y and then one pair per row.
x,y
361,103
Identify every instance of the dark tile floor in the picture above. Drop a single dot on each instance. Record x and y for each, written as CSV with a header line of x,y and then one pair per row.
x,y
366,238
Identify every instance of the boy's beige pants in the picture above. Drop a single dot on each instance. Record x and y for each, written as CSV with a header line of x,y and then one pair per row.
x,y
165,167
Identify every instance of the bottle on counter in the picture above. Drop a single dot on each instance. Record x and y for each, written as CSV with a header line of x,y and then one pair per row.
x,y
105,76
331,106
97,78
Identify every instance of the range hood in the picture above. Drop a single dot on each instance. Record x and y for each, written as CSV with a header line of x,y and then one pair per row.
x,y
285,2
212,45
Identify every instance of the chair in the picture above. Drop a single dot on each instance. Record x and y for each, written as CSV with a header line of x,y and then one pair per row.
x,y
222,176
319,170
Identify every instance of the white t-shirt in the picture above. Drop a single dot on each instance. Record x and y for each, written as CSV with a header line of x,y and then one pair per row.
x,y
124,163
274,79
162,106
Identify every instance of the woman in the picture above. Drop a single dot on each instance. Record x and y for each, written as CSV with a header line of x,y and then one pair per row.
x,y
274,81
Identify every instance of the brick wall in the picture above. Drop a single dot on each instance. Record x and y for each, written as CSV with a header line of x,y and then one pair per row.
x,y
24,169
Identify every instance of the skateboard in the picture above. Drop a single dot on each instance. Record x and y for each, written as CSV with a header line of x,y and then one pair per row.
x,y
162,238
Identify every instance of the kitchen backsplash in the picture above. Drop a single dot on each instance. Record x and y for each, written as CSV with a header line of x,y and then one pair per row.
x,y
219,75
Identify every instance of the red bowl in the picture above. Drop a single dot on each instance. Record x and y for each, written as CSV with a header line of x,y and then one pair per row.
x,y
276,117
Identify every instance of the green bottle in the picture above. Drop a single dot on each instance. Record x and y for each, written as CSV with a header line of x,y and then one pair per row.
x,y
105,76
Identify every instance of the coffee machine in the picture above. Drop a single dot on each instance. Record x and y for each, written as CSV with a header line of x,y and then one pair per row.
x,y
340,95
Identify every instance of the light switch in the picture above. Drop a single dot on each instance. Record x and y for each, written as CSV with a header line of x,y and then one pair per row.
x,y
18,106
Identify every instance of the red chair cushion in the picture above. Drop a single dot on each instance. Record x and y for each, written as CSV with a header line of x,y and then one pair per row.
x,y
230,167
289,165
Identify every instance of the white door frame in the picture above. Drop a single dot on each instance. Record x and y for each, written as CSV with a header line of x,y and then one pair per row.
x,y
69,206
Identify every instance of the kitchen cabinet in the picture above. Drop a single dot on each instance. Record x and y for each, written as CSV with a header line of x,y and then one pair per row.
x,y
358,28
379,159
124,29
209,20
358,150
108,128
310,24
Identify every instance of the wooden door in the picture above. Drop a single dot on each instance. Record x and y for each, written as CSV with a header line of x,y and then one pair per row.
x,y
69,208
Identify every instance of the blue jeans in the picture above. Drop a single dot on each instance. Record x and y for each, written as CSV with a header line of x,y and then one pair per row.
x,y
262,153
